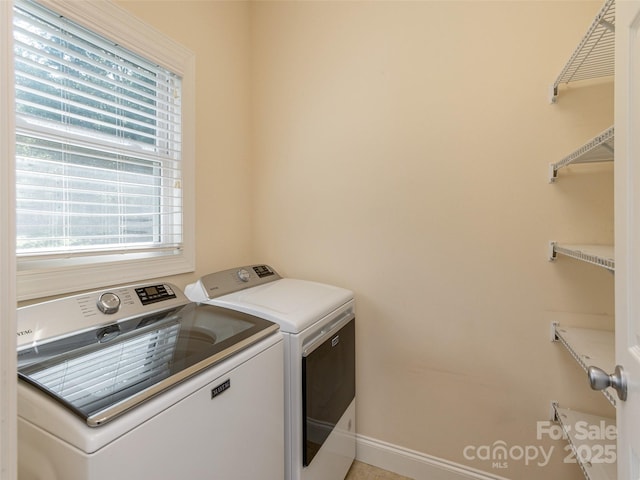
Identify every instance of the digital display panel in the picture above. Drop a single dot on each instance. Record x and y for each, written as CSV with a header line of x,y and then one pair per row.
x,y
262,271
154,293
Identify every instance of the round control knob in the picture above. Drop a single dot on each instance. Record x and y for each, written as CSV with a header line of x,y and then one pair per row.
x,y
108,303
244,275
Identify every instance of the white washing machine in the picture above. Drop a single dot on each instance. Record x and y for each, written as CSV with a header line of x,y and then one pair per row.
x,y
140,383
318,325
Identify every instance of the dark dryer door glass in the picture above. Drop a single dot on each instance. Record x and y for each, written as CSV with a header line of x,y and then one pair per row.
x,y
328,386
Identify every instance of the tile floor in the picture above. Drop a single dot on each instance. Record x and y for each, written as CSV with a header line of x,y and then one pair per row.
x,y
363,471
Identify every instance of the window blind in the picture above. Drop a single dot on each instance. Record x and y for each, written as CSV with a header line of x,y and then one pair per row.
x,y
98,143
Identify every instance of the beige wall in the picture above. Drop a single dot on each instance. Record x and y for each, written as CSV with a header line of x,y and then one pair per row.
x,y
400,149
218,34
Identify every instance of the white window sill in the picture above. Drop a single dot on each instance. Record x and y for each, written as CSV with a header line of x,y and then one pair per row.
x,y
79,274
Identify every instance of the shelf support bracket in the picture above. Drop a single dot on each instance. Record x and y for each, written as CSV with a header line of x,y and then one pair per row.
x,y
553,94
553,173
552,251
554,336
554,411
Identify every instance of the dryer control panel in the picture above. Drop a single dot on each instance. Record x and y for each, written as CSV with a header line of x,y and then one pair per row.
x,y
229,281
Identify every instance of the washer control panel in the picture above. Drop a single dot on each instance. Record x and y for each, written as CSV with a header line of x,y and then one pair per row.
x,y
85,311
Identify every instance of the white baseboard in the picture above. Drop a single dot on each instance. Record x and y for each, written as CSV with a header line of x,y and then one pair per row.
x,y
412,464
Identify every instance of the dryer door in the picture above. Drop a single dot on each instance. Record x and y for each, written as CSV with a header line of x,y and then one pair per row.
x,y
328,383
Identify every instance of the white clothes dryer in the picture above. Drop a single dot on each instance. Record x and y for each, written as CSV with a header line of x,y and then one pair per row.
x,y
318,325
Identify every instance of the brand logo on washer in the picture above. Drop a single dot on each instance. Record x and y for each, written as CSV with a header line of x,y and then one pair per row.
x,y
25,332
335,340
220,388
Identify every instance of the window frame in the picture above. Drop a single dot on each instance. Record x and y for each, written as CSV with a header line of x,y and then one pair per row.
x,y
8,377
63,275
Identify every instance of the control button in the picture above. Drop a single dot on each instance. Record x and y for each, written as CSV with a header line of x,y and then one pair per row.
x,y
108,303
244,275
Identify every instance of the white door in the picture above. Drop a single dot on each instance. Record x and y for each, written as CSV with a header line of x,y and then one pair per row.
x,y
627,233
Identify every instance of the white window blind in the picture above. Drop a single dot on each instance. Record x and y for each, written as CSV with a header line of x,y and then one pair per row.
x,y
98,143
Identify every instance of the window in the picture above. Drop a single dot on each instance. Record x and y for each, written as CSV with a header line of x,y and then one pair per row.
x,y
101,167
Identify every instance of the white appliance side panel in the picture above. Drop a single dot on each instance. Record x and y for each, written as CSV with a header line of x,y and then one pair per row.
x,y
43,456
236,435
294,304
292,385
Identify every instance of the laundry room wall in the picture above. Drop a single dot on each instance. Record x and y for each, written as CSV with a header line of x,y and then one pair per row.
x,y
400,149
217,32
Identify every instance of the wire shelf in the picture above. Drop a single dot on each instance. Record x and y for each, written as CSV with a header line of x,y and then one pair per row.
x,y
599,255
594,56
589,347
596,456
598,149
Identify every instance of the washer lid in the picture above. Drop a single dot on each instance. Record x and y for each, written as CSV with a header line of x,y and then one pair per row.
x,y
99,377
293,304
